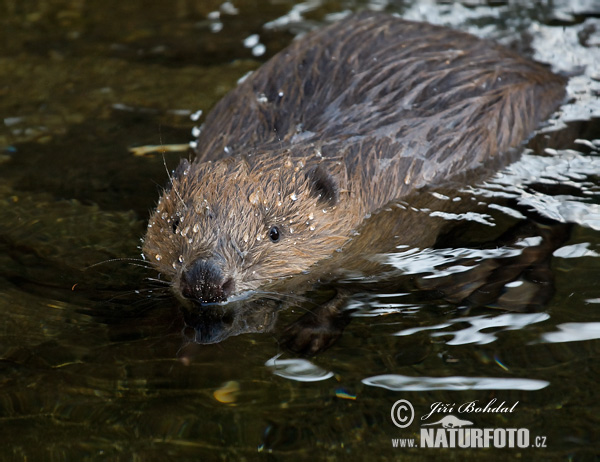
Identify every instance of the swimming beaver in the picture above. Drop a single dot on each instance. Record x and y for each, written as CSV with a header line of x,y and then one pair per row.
x,y
343,121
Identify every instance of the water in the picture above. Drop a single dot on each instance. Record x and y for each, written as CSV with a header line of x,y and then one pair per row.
x,y
94,366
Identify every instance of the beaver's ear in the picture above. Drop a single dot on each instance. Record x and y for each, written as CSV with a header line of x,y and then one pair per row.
x,y
323,185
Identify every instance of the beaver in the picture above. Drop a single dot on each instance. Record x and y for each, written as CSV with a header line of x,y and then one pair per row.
x,y
345,120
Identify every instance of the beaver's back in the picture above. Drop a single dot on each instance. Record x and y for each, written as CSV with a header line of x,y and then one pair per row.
x,y
413,102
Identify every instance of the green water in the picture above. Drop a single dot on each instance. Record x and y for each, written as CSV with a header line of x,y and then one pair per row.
x,y
95,363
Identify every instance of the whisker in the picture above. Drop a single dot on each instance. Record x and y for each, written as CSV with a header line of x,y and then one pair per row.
x,y
171,181
137,262
162,282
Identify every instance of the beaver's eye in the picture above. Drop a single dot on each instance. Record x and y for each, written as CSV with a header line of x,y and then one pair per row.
x,y
176,222
274,234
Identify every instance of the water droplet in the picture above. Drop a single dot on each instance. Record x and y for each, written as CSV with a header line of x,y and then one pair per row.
x,y
262,98
251,41
311,216
293,197
196,115
312,228
229,8
254,198
196,228
259,50
158,257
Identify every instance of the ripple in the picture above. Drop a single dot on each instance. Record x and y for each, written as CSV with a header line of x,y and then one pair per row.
x,y
561,167
474,334
397,382
574,332
299,370
419,261
575,251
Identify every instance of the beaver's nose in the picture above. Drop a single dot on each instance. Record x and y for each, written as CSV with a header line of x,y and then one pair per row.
x,y
204,282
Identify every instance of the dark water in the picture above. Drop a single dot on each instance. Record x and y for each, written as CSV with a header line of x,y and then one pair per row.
x,y
94,366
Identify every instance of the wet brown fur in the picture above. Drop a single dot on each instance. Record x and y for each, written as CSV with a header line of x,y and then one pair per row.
x,y
342,122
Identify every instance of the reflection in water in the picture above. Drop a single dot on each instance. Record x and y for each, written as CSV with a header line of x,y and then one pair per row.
x,y
574,332
403,383
473,333
300,370
217,322
85,380
560,186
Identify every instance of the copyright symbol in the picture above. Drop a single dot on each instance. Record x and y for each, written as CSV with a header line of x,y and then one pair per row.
x,y
402,413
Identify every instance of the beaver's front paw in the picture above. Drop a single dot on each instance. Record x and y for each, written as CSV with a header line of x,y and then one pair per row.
x,y
317,330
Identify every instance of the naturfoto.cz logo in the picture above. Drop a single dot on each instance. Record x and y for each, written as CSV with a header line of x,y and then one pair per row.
x,y
454,432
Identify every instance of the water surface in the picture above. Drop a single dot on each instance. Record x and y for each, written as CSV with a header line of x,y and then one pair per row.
x,y
97,362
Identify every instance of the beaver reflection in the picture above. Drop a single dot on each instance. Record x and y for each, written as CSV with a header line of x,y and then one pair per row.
x,y
215,323
332,129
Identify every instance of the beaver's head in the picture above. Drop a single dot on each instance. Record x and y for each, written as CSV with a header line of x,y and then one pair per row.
x,y
223,228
